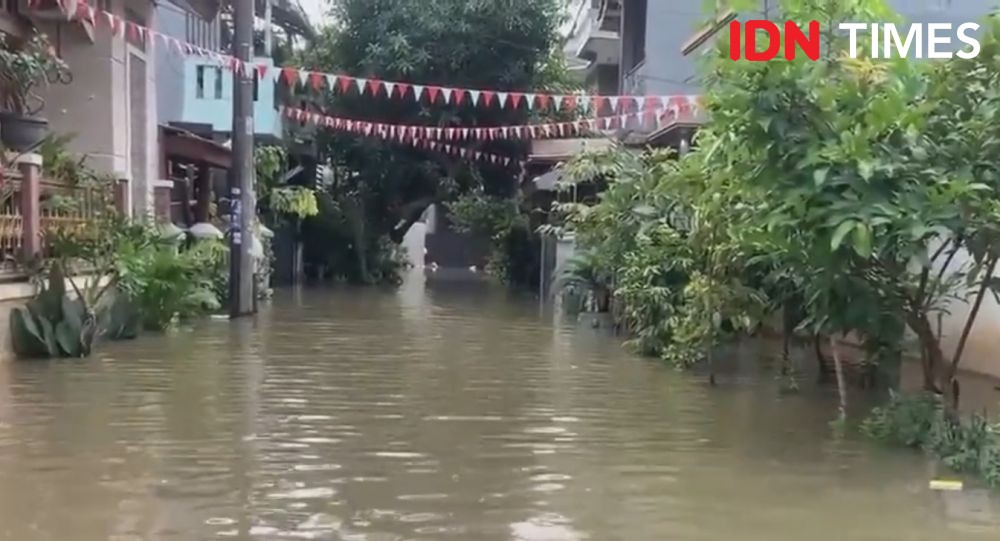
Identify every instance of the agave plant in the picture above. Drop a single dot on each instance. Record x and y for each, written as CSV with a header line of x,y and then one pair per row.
x,y
52,324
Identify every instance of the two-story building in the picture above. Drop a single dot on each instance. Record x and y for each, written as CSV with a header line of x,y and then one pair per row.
x,y
196,93
195,98
109,102
592,43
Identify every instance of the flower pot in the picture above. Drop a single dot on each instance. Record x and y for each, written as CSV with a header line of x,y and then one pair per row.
x,y
21,133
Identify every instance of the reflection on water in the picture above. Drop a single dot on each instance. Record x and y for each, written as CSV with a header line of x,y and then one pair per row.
x,y
443,413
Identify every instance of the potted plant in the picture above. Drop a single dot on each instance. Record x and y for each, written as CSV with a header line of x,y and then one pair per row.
x,y
23,68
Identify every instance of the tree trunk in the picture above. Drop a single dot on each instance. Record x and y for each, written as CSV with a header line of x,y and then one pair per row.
x,y
838,367
932,358
787,328
711,366
824,370
355,218
949,382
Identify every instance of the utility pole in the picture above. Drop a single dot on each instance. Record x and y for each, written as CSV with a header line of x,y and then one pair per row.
x,y
268,35
241,181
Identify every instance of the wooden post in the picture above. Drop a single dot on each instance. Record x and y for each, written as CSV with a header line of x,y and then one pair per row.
x,y
30,166
121,196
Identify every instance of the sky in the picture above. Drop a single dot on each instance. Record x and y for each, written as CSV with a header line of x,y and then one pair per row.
x,y
315,10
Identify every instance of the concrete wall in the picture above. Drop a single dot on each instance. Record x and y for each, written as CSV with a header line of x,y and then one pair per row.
x,y
170,20
981,350
665,70
95,106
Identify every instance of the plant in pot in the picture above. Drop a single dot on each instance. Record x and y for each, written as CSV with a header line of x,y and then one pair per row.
x,y
24,67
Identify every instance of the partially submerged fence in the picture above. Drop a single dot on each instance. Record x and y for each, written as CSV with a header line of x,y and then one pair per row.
x,y
31,205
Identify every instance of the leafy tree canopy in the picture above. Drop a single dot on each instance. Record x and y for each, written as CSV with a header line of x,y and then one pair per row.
x,y
486,44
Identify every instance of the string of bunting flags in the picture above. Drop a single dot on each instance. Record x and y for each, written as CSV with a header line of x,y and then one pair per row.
x,y
293,76
370,129
522,131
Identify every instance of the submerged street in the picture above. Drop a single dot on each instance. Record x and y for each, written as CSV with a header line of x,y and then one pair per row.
x,y
445,412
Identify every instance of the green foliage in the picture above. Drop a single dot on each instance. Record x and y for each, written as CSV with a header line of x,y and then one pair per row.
x,y
25,67
483,215
514,258
294,201
838,189
920,421
52,324
905,420
381,188
64,167
167,283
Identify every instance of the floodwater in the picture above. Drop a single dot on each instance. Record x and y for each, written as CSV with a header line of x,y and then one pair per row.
x,y
452,412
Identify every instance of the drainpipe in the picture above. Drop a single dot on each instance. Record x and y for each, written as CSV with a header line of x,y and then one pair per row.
x,y
268,36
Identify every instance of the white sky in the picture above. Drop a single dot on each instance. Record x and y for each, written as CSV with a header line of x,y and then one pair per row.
x,y
315,9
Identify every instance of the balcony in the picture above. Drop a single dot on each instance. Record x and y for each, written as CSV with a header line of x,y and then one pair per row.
x,y
593,38
208,99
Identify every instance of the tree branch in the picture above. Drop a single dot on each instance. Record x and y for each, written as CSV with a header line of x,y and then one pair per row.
x,y
944,268
971,319
409,215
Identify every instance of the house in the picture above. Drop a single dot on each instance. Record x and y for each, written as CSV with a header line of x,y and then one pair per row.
x,y
592,43
195,98
196,93
109,102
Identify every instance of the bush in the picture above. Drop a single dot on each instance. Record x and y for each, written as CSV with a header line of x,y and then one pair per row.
x,y
166,282
920,421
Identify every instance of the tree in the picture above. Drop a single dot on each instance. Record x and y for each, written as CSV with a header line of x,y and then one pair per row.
x,y
385,187
878,176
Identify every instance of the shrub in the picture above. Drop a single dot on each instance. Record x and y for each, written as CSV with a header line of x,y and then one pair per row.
x,y
920,421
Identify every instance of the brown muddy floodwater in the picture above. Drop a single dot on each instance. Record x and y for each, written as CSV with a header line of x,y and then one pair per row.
x,y
442,413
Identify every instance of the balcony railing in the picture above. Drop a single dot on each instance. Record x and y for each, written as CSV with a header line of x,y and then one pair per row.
x,y
24,220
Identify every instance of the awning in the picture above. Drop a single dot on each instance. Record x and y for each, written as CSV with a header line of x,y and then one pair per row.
x,y
184,145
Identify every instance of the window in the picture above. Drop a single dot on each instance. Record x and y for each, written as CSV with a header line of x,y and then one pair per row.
x,y
218,83
199,91
256,86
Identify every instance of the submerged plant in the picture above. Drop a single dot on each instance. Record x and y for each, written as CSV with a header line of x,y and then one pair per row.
x,y
921,421
166,282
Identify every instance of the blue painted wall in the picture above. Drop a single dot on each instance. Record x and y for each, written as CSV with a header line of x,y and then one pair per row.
x,y
208,99
183,96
